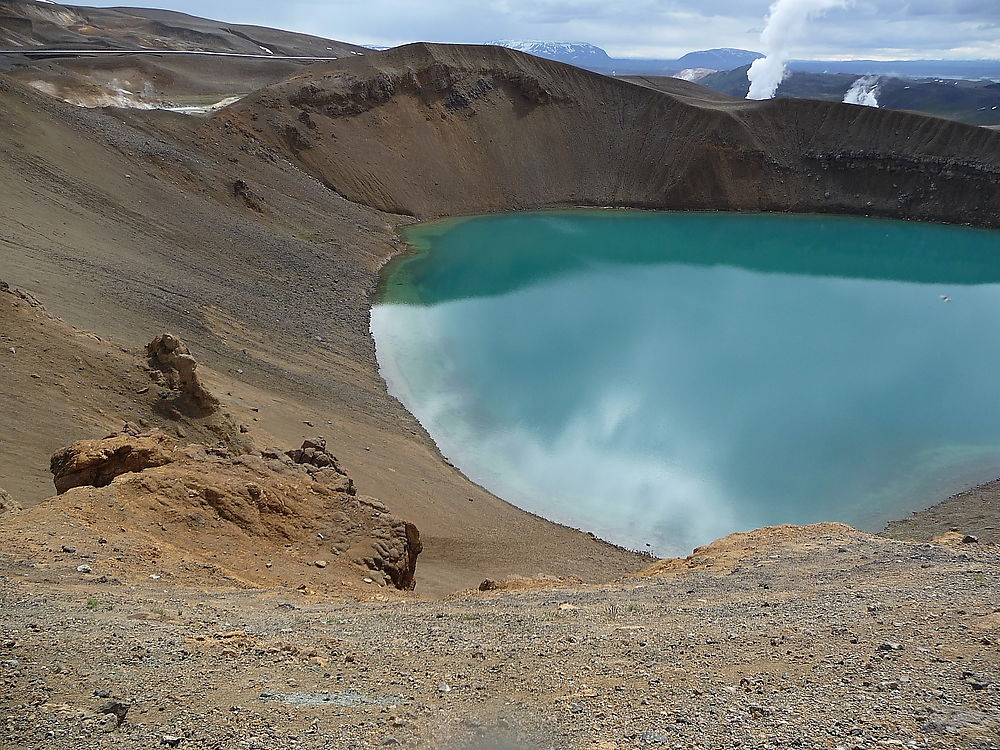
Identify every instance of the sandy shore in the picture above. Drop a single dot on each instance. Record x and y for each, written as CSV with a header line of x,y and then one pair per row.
x,y
975,511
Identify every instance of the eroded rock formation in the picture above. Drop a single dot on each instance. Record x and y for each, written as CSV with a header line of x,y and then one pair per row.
x,y
169,356
96,463
7,503
298,508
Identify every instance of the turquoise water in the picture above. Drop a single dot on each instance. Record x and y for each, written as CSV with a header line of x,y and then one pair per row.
x,y
663,379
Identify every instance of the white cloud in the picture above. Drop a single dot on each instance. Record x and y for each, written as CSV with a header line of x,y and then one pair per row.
x,y
646,28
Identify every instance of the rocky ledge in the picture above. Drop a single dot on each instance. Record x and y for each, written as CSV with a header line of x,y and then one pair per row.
x,y
192,512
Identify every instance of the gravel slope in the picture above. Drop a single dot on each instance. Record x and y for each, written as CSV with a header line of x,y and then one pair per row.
x,y
820,637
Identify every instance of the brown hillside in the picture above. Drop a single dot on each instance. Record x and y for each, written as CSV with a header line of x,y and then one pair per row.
x,y
148,79
30,24
129,223
439,129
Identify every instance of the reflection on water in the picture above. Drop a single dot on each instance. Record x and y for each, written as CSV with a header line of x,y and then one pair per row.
x,y
665,379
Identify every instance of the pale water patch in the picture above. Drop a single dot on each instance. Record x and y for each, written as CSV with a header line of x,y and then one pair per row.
x,y
665,379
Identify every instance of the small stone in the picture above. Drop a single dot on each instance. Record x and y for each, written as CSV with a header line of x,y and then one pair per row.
x,y
116,709
84,569
650,737
69,550
389,741
36,376
969,539
320,563
170,740
444,688
890,646
368,580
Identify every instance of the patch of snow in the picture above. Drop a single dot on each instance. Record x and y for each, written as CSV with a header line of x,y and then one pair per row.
x,y
265,49
694,74
864,91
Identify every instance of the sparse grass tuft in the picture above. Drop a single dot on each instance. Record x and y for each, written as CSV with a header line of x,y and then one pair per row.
x,y
617,611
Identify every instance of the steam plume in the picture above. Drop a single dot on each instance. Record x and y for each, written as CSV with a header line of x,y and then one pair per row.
x,y
786,21
863,91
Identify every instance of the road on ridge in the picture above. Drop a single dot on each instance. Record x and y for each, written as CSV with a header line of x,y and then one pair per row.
x,y
43,52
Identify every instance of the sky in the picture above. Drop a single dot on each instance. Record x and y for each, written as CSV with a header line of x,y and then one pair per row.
x,y
873,29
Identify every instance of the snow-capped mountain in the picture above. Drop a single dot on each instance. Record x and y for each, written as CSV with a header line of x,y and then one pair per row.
x,y
725,58
575,53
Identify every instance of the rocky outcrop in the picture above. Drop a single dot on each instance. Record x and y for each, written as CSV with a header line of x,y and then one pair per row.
x,y
730,553
32,301
177,370
7,503
322,465
96,463
297,504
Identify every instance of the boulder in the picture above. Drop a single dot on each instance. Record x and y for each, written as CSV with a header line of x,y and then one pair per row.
x,y
314,457
96,463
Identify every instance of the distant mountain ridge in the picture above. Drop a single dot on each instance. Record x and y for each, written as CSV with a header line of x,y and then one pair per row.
x,y
973,102
576,53
724,58
592,57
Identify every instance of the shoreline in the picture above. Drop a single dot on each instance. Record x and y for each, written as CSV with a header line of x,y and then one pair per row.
x,y
974,511
953,512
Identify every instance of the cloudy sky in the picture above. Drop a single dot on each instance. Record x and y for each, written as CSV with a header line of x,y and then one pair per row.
x,y
881,29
